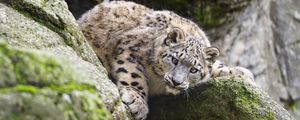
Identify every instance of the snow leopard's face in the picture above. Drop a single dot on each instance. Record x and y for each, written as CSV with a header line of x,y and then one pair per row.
x,y
184,62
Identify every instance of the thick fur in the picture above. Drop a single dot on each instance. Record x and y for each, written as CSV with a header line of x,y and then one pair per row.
x,y
149,52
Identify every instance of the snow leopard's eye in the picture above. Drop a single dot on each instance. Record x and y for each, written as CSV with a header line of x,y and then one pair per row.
x,y
193,70
174,61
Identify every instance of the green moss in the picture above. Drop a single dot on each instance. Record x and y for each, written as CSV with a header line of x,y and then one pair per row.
x,y
225,98
48,25
21,88
33,68
44,78
67,88
238,102
53,105
30,68
26,88
92,105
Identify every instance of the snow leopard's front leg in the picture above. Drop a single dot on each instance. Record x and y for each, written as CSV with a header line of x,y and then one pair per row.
x,y
131,81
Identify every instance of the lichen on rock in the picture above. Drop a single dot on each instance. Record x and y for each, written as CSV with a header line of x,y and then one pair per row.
x,y
226,98
49,27
38,86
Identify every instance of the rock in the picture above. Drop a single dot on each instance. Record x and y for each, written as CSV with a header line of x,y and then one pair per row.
x,y
265,39
48,27
35,85
224,98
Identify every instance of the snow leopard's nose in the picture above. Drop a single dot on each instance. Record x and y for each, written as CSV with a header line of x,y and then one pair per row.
x,y
175,82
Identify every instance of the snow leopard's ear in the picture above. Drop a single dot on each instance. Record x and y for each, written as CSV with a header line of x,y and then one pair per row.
x,y
211,53
174,36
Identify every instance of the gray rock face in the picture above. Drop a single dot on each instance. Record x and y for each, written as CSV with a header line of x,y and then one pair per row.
x,y
35,85
49,27
266,40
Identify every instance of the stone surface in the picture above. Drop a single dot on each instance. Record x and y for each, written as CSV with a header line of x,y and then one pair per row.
x,y
48,26
35,85
224,98
265,39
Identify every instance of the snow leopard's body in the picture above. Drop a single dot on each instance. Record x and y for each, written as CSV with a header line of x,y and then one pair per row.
x,y
149,52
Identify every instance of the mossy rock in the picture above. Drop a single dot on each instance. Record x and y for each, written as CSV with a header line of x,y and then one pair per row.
x,y
34,86
224,98
47,26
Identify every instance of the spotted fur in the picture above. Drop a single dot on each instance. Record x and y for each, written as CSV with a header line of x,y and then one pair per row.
x,y
219,69
148,52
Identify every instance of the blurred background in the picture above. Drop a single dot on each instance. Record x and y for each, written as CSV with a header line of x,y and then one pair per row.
x,y
261,35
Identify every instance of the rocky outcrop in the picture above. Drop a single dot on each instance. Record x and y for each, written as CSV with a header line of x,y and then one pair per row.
x,y
224,98
48,27
265,39
35,85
